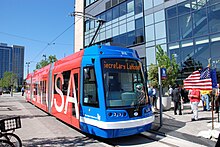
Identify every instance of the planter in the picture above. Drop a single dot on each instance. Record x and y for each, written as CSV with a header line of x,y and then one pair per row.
x,y
166,103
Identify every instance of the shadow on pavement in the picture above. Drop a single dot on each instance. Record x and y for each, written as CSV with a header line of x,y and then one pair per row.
x,y
64,141
171,126
23,116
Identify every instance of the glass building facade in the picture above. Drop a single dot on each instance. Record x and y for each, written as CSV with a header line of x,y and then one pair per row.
x,y
187,29
12,60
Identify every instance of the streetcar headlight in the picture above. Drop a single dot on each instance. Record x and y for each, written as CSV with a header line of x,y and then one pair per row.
x,y
116,114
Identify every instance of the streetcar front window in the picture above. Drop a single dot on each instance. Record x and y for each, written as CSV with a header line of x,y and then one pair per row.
x,y
123,83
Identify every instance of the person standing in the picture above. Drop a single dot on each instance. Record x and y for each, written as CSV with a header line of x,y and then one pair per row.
x,y
154,95
170,92
205,99
217,101
177,100
22,91
150,93
194,96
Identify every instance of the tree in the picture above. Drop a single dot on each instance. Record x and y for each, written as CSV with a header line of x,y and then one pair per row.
x,y
45,62
9,79
164,62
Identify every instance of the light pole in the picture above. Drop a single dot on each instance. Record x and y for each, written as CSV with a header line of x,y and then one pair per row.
x,y
28,65
45,57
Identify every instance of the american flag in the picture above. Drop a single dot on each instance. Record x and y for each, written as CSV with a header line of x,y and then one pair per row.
x,y
200,79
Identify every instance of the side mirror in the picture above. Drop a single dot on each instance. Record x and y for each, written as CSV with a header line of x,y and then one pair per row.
x,y
87,74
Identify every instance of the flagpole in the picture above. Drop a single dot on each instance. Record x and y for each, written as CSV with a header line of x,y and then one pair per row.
x,y
213,94
160,92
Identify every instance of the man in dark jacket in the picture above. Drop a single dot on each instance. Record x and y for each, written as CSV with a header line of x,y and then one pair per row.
x,y
177,100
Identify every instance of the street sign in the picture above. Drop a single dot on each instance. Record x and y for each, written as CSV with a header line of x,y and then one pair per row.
x,y
163,73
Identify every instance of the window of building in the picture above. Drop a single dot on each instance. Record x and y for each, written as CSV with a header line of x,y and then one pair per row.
x,y
187,51
120,40
211,2
183,7
138,6
149,19
176,53
159,16
115,31
200,24
87,2
185,26
173,30
109,33
130,26
158,2
92,24
109,15
122,29
160,30
130,6
115,12
139,35
161,41
150,33
87,25
151,55
102,16
215,54
102,35
114,2
197,4
213,17
139,23
202,51
90,96
148,4
108,5
122,9
171,12
131,38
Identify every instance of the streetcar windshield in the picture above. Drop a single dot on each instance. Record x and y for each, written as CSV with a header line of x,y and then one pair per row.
x,y
123,83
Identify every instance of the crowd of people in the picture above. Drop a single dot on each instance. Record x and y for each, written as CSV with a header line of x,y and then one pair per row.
x,y
179,96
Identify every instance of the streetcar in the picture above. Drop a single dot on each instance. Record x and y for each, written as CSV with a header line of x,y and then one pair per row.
x,y
100,90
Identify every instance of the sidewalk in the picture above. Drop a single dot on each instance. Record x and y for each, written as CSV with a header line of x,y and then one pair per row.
x,y
182,127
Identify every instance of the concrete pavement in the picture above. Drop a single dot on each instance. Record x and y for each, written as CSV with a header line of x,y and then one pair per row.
x,y
181,126
40,129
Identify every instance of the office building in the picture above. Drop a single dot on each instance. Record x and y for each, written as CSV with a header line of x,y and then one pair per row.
x,y
12,60
187,29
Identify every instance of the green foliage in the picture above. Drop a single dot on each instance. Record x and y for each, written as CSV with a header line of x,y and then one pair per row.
x,y
164,62
8,79
43,63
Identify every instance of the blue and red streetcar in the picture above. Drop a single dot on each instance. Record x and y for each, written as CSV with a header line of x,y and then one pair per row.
x,y
100,90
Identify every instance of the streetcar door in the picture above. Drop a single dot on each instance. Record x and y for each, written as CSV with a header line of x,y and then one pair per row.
x,y
75,94
90,101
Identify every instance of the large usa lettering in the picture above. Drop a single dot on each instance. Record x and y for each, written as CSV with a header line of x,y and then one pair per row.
x,y
72,99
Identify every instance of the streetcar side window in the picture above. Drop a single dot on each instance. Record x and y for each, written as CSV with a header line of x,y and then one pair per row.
x,y
90,96
43,86
76,89
66,77
63,86
58,83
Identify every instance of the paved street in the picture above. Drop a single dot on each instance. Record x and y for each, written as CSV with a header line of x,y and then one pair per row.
x,y
41,129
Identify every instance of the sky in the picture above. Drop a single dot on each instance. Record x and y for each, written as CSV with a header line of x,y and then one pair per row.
x,y
43,27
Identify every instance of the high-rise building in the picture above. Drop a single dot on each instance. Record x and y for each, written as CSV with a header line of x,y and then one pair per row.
x,y
187,29
12,60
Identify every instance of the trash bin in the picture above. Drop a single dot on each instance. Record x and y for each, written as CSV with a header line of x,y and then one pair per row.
x,y
166,103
